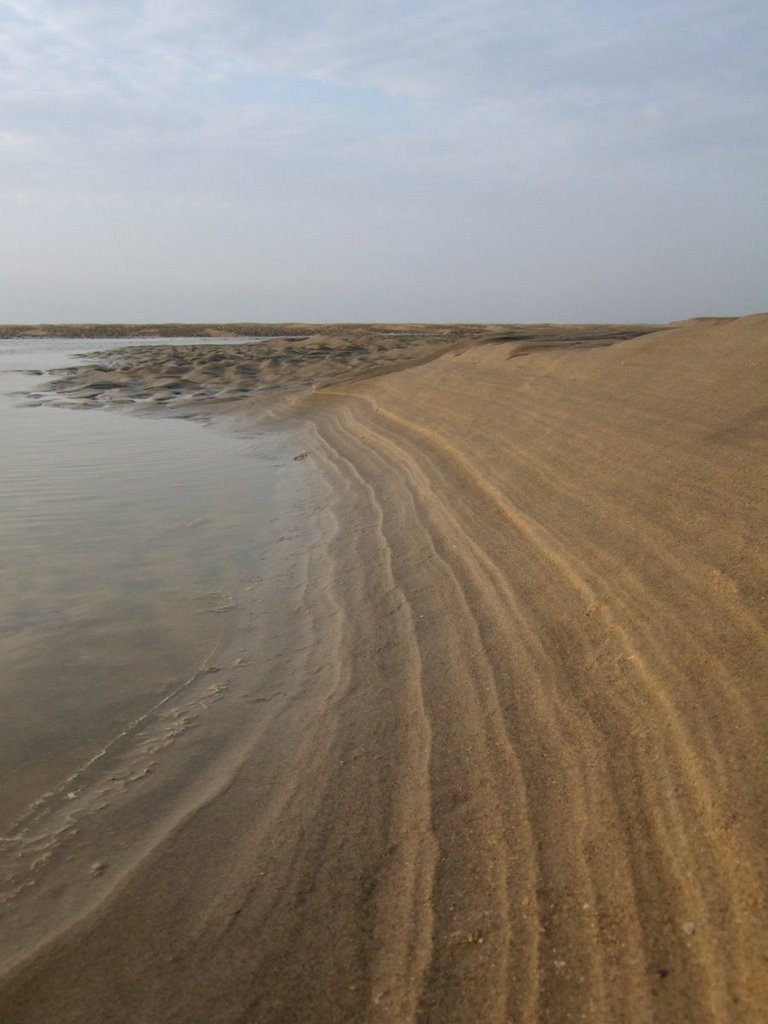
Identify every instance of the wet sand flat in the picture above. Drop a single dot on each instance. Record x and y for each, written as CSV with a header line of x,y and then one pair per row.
x,y
515,771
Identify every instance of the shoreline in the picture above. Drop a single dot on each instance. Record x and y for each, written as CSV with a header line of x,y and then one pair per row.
x,y
83,833
247,329
518,777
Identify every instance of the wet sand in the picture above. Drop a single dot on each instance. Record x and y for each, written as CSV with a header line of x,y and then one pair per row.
x,y
511,767
283,363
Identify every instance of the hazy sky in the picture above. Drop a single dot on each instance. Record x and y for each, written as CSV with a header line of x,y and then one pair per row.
x,y
482,160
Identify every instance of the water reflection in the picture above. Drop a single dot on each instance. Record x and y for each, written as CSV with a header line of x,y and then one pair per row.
x,y
124,542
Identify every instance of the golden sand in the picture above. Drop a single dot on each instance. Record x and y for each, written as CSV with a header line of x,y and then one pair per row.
x,y
521,776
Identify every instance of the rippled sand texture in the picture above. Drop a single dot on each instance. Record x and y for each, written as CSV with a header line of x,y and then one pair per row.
x,y
190,376
529,785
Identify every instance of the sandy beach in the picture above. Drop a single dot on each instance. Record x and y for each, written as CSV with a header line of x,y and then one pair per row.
x,y
504,760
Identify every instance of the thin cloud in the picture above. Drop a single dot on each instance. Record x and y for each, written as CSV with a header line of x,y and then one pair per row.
x,y
501,114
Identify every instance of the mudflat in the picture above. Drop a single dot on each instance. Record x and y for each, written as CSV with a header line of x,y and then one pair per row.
x,y
516,771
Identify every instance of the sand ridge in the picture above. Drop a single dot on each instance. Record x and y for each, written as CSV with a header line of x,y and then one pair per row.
x,y
187,377
528,786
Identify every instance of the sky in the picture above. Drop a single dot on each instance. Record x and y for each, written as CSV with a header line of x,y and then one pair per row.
x,y
335,160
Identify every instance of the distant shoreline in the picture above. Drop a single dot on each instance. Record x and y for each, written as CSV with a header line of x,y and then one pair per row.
x,y
252,329
248,329
170,330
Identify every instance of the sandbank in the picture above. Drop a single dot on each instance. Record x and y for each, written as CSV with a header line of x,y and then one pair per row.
x,y
515,772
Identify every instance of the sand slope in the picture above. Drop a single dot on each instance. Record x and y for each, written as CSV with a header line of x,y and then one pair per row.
x,y
529,784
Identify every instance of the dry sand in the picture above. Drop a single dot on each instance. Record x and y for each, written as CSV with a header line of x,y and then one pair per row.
x,y
521,774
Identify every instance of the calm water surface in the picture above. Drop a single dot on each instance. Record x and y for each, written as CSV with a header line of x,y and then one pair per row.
x,y
125,542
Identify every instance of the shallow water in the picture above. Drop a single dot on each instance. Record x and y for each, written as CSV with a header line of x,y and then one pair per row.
x,y
126,544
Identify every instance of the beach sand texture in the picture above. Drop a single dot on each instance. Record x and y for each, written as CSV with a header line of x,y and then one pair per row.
x,y
525,779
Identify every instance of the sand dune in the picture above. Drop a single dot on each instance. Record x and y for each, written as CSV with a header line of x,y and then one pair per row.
x,y
522,777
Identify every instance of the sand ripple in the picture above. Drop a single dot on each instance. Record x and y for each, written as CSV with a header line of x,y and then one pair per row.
x,y
521,777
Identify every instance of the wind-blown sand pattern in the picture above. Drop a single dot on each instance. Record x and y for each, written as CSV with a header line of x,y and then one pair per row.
x,y
520,776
